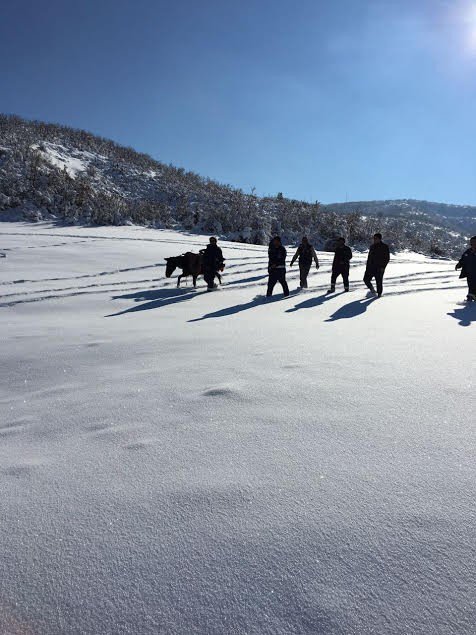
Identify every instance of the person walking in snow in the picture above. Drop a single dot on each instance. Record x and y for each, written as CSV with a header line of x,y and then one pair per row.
x,y
277,267
213,261
341,264
467,264
306,254
378,259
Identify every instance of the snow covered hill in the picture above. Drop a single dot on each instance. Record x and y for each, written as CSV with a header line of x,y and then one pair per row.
x,y
175,461
54,172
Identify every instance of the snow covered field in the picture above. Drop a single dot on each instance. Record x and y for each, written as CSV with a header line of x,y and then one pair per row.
x,y
173,461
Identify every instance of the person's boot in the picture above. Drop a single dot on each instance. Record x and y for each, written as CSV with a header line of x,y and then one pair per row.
x,y
471,297
332,289
346,288
371,293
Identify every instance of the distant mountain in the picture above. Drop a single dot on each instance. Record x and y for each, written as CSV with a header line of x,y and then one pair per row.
x,y
72,176
457,217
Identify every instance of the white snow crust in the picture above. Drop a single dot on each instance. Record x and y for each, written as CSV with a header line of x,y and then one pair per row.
x,y
176,461
73,161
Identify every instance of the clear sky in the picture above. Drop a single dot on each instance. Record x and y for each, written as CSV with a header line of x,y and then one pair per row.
x,y
320,100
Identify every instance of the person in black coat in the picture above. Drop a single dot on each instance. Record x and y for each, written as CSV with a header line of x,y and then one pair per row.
x,y
341,264
306,254
212,259
277,267
467,264
378,259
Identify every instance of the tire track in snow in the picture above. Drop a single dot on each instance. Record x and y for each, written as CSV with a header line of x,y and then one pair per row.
x,y
95,275
250,283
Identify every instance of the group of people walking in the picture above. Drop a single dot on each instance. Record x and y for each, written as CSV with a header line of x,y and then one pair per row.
x,y
377,261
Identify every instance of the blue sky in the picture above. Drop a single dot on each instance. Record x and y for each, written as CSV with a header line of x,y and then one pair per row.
x,y
320,100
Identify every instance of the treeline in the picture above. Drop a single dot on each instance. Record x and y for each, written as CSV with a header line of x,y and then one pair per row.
x,y
47,171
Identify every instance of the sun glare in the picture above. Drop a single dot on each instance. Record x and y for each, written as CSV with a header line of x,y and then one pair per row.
x,y
470,20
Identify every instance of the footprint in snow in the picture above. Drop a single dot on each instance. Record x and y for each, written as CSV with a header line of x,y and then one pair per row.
x,y
21,470
108,432
223,391
14,427
138,445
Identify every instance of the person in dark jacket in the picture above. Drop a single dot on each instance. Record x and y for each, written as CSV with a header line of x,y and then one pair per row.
x,y
213,261
277,267
306,254
467,264
378,259
341,264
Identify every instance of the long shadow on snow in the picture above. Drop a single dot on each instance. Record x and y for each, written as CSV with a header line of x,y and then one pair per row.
x,y
353,309
465,315
155,299
238,308
310,303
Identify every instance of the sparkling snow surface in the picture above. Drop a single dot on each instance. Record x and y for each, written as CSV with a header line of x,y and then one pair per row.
x,y
174,461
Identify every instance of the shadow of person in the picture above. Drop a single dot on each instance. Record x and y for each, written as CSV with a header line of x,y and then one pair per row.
x,y
238,308
155,299
245,280
465,315
353,309
311,302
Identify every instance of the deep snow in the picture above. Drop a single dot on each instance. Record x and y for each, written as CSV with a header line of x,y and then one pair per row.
x,y
173,461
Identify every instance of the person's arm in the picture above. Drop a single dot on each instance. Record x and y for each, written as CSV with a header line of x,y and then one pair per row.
x,y
316,259
295,257
282,257
386,256
459,264
349,254
370,256
271,258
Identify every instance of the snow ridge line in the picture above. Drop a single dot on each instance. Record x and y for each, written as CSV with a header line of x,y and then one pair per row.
x,y
243,246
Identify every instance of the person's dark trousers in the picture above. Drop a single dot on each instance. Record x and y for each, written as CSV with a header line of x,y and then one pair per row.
x,y
209,275
471,285
342,271
376,273
277,275
303,273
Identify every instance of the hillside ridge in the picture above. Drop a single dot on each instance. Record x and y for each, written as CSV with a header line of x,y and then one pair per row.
x,y
73,176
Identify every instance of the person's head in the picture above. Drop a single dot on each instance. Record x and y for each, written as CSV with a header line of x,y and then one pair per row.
x,y
340,242
472,243
377,238
277,241
213,240
304,240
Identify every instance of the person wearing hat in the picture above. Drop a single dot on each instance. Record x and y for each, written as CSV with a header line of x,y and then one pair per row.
x,y
341,264
277,267
467,264
306,254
